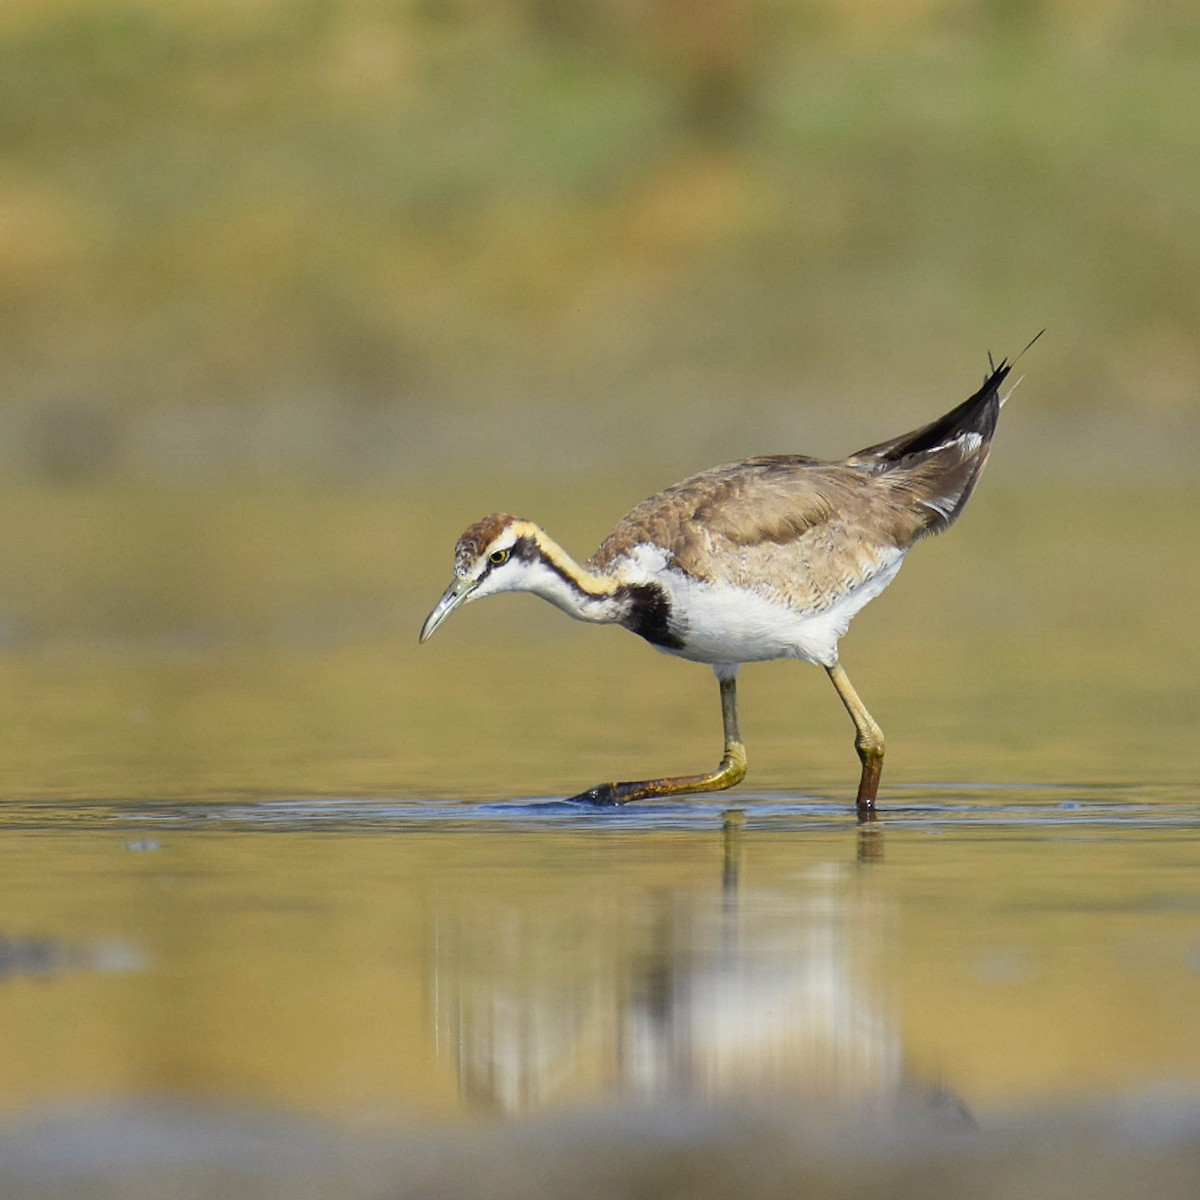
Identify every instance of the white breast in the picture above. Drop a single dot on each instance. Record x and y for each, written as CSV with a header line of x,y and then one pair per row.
x,y
719,623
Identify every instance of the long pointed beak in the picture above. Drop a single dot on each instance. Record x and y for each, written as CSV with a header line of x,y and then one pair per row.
x,y
452,597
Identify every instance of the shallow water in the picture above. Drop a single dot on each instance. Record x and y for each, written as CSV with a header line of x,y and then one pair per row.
x,y
288,863
373,958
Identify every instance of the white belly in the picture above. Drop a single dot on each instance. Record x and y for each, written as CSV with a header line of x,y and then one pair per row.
x,y
722,624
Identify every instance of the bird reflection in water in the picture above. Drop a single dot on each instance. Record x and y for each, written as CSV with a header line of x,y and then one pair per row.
x,y
681,993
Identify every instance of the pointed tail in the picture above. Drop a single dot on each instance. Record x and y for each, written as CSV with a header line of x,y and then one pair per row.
x,y
970,425
932,471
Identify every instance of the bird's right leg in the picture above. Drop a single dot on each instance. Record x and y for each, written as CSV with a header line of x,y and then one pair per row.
x,y
732,769
868,742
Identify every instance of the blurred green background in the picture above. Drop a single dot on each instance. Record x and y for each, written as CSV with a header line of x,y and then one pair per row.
x,y
294,290
370,239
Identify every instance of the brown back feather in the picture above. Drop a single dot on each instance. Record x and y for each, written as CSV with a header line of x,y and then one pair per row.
x,y
760,501
797,527
806,531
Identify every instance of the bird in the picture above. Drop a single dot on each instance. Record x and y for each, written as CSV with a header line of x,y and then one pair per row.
x,y
762,559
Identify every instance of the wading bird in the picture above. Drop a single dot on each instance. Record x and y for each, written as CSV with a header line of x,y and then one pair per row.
x,y
762,559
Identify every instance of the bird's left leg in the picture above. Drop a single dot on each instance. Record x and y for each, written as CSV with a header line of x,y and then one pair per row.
x,y
868,741
732,769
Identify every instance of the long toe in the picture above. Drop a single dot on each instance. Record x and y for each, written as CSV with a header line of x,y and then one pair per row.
x,y
603,795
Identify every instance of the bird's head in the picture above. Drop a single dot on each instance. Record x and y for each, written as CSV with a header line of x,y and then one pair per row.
x,y
498,554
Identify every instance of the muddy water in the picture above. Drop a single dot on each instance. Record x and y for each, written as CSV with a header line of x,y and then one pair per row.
x,y
361,958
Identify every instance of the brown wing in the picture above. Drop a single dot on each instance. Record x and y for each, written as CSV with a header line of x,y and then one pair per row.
x,y
740,501
801,530
796,528
755,521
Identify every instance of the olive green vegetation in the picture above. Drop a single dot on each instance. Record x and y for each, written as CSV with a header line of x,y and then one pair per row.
x,y
387,238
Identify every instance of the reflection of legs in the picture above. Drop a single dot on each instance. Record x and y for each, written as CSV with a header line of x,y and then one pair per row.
x,y
733,821
868,742
732,769
870,838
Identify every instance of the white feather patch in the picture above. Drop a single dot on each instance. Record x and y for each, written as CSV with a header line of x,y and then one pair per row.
x,y
719,623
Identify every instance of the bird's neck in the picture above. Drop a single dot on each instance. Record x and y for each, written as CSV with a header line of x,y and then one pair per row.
x,y
585,595
617,597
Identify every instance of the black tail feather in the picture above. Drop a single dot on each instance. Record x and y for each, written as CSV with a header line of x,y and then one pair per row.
x,y
977,414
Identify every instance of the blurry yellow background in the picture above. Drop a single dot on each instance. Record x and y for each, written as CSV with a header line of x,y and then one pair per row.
x,y
376,240
294,290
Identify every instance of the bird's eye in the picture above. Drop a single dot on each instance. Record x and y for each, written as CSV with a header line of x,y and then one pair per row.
x,y
497,557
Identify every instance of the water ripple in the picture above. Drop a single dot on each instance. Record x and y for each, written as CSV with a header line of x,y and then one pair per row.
x,y
931,808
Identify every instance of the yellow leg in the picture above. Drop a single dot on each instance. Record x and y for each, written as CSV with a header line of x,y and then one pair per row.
x,y
732,769
868,741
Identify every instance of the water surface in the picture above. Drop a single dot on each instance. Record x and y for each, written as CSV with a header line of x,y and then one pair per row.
x,y
360,957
